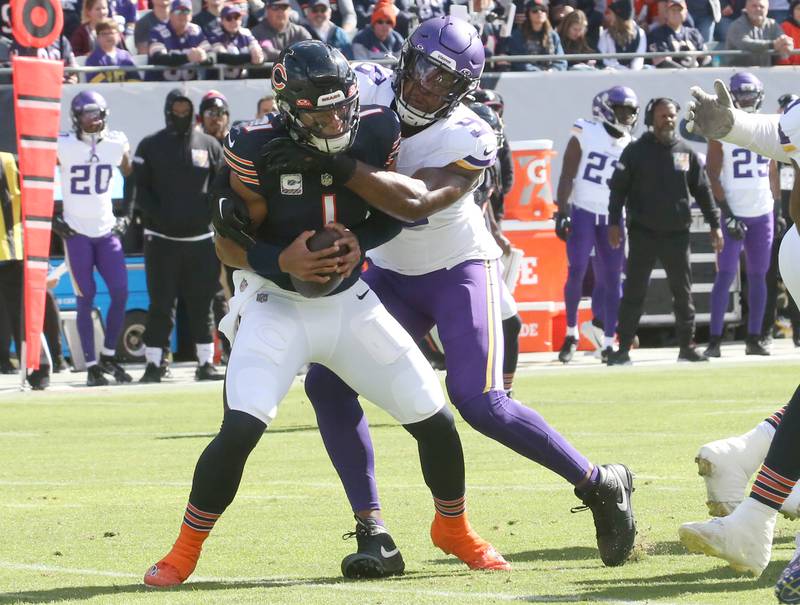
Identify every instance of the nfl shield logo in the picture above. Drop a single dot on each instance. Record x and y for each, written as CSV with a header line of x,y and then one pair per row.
x,y
326,179
243,285
262,297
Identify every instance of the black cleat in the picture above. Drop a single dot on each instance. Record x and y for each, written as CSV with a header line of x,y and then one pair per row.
x,y
691,354
152,373
606,353
95,377
377,556
610,503
568,349
754,346
712,350
207,371
619,358
39,379
59,365
108,363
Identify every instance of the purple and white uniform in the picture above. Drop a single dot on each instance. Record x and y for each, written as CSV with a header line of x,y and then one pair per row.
x,y
589,201
87,168
442,271
745,181
163,39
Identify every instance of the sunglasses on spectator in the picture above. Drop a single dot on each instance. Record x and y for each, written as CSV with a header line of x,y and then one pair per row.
x,y
537,9
182,11
214,113
383,22
319,9
279,7
233,17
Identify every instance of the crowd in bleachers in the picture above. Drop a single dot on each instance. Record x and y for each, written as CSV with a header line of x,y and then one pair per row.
x,y
211,38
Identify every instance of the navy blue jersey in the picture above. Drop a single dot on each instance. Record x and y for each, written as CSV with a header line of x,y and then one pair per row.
x,y
306,201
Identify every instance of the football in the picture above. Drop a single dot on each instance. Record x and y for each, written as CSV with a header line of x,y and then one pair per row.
x,y
323,238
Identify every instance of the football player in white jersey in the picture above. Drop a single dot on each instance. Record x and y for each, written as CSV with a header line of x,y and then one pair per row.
x,y
744,538
88,157
582,219
745,185
443,270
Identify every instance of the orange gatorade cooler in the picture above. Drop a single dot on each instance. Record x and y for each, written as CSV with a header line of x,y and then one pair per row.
x,y
543,268
531,197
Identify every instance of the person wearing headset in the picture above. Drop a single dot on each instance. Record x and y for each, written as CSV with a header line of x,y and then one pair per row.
x,y
655,180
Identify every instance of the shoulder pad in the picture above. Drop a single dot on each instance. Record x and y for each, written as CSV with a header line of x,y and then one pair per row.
x,y
470,139
789,129
242,148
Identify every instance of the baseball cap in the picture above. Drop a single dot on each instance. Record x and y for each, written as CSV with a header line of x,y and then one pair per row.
x,y
278,3
181,5
622,9
530,4
327,3
230,9
214,99
681,3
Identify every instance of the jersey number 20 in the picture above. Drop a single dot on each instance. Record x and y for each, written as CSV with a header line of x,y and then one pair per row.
x,y
83,182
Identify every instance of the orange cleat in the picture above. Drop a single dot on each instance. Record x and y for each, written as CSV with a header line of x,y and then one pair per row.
x,y
163,575
455,537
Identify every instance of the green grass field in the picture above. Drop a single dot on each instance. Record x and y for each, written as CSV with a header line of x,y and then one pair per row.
x,y
93,485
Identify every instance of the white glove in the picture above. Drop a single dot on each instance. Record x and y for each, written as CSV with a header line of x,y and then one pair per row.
x,y
708,115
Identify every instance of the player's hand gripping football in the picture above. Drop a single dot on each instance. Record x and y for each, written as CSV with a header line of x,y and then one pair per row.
x,y
231,219
349,261
283,155
296,259
709,115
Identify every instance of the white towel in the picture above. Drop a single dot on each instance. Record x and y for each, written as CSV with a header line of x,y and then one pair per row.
x,y
246,285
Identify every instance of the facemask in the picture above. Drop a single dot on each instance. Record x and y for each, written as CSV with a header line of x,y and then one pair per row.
x,y
181,124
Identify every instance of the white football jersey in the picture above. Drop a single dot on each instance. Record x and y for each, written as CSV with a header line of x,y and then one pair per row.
x,y
789,131
86,173
745,180
599,155
457,233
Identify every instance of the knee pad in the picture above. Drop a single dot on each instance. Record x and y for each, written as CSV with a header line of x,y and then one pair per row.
x,y
240,432
434,427
512,327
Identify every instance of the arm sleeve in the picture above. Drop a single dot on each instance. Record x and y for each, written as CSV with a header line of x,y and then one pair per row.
x,y
506,167
376,230
263,258
701,190
619,186
233,59
173,59
760,133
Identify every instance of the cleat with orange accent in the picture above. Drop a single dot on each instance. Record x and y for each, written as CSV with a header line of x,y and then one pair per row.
x,y
462,541
163,575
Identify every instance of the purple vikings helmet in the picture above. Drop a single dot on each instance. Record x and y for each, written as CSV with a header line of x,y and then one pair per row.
x,y
89,112
747,91
441,62
618,107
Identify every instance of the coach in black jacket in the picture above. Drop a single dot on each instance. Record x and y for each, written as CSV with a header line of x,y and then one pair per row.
x,y
653,180
174,168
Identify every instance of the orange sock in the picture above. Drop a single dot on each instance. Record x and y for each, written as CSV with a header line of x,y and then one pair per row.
x,y
195,529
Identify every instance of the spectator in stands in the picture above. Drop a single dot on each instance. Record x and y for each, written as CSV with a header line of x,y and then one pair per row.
x,y
124,13
535,37
705,14
83,39
320,26
214,115
595,12
572,32
343,14
60,50
178,42
158,16
379,39
107,54
265,106
363,10
559,11
731,10
757,34
276,31
622,35
674,36
234,44
209,18
791,27
72,16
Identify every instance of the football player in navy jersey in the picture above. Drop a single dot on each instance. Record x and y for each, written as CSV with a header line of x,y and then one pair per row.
x,y
264,221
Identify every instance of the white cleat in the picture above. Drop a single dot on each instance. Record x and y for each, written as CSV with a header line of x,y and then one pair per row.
x,y
743,539
726,466
791,506
593,334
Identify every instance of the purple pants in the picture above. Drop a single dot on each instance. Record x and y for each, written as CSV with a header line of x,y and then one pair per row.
x,y
463,302
590,230
105,253
757,244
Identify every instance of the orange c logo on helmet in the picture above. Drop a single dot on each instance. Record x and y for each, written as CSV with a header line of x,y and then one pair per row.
x,y
279,76
36,23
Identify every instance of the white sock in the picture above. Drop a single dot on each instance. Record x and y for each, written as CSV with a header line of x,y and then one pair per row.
x,y
205,353
91,363
766,428
573,331
153,355
752,508
757,444
608,341
108,352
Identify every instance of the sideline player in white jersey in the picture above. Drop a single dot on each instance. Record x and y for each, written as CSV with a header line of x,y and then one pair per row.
x,y
744,538
443,270
582,219
87,158
745,186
